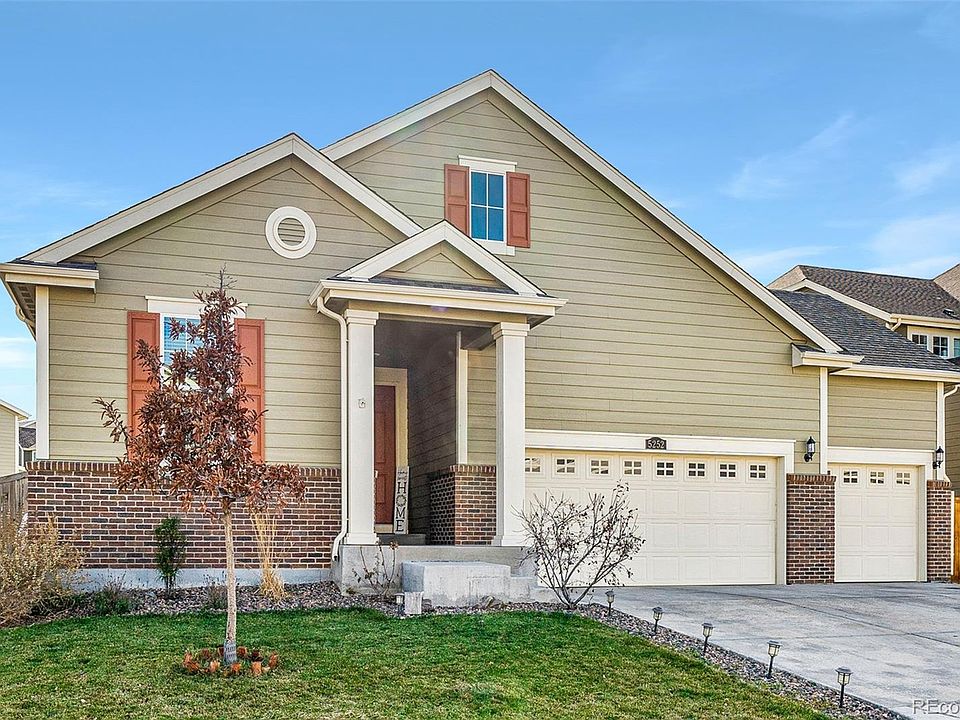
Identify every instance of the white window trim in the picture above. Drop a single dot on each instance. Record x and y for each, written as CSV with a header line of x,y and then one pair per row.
x,y
181,308
494,167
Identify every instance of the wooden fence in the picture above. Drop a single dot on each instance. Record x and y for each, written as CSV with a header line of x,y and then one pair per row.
x,y
13,494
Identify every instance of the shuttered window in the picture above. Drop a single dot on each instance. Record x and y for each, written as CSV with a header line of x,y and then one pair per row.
x,y
169,344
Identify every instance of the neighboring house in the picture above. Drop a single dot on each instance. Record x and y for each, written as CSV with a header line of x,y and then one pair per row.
x,y
926,312
467,290
28,441
10,417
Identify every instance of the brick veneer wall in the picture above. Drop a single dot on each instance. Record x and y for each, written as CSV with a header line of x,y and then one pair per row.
x,y
463,505
939,530
115,529
811,528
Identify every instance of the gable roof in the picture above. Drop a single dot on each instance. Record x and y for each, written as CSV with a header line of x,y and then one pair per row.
x,y
859,334
286,146
491,80
442,232
13,409
890,294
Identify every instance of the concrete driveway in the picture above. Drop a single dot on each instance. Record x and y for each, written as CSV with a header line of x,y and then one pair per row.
x,y
902,640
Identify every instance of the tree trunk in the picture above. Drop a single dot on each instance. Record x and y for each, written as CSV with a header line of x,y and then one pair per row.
x,y
230,639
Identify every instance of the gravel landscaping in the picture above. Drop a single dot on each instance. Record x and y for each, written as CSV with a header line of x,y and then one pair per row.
x,y
328,596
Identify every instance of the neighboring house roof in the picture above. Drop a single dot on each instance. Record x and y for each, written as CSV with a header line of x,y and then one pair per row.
x,y
949,280
13,409
491,80
891,294
28,437
859,334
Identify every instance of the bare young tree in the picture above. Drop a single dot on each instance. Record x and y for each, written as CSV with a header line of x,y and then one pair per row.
x,y
578,546
193,433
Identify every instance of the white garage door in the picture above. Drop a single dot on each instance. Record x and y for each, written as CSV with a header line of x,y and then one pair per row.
x,y
705,520
876,522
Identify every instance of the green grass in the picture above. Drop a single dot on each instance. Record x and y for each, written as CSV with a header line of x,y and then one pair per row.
x,y
361,664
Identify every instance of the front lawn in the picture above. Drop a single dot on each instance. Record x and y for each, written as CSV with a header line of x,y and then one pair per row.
x,y
361,664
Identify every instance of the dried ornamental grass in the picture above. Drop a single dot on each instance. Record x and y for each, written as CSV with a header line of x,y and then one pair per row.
x,y
36,567
265,531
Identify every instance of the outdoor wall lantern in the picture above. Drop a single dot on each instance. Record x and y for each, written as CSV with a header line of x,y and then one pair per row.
x,y
938,458
773,649
707,632
657,614
843,677
610,598
811,449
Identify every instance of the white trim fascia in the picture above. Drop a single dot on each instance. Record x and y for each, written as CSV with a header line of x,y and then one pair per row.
x,y
676,444
14,272
813,358
16,411
487,165
434,235
923,321
878,456
492,80
807,284
897,373
541,306
199,186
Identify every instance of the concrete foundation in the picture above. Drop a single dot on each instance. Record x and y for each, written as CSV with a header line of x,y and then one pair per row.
x,y
457,584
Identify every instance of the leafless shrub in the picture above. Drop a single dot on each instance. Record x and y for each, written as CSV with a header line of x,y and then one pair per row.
x,y
382,576
265,532
578,546
36,567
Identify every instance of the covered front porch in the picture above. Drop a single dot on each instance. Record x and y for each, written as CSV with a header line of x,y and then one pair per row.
x,y
411,319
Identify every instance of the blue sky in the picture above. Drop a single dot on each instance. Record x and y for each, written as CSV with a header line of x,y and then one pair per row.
x,y
784,133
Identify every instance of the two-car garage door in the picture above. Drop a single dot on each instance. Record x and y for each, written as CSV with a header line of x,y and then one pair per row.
x,y
877,522
706,520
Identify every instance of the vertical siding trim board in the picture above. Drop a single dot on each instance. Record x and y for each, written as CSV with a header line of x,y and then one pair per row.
x,y
811,528
463,505
115,529
939,531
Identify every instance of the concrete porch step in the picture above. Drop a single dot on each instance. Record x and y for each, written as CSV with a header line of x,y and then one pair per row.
x,y
405,539
453,583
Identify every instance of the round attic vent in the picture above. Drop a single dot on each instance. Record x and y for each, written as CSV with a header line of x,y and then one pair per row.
x,y
291,232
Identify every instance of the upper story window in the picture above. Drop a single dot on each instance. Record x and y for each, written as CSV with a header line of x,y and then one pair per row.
x,y
941,345
956,347
168,344
920,340
487,206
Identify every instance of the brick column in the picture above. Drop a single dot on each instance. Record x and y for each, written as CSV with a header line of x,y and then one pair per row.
x,y
463,505
939,530
114,529
811,528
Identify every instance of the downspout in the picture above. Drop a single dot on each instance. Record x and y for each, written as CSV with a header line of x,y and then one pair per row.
x,y
344,520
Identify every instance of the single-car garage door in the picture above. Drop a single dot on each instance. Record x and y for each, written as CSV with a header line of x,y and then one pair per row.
x,y
877,523
706,520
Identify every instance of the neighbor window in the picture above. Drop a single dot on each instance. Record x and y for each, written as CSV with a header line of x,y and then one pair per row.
x,y
919,339
956,347
941,345
168,344
487,206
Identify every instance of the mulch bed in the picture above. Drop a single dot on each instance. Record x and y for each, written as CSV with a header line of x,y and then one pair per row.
x,y
315,596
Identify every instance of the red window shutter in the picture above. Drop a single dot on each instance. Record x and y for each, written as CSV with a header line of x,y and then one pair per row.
x,y
456,197
250,340
140,326
518,210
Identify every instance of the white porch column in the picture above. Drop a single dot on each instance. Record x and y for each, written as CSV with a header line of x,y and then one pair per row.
x,y
360,324
511,341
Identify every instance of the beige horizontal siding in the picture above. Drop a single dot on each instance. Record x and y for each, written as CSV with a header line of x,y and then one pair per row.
x,y
953,438
9,444
650,341
183,253
880,413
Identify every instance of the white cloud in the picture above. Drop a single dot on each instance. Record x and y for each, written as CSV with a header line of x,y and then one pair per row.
x,y
16,353
921,174
774,174
922,246
776,262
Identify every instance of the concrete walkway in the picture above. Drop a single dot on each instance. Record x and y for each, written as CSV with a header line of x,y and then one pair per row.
x,y
902,640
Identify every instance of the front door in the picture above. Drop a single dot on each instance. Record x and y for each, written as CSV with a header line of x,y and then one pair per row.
x,y
384,451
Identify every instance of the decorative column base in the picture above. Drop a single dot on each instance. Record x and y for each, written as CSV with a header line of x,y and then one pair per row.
x,y
463,505
811,529
939,530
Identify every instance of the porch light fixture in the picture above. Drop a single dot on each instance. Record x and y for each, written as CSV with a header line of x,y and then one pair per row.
x,y
811,449
773,649
657,614
938,458
707,632
843,677
610,598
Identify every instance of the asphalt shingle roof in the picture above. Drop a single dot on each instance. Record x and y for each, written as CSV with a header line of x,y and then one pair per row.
x,y
28,437
859,334
890,293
